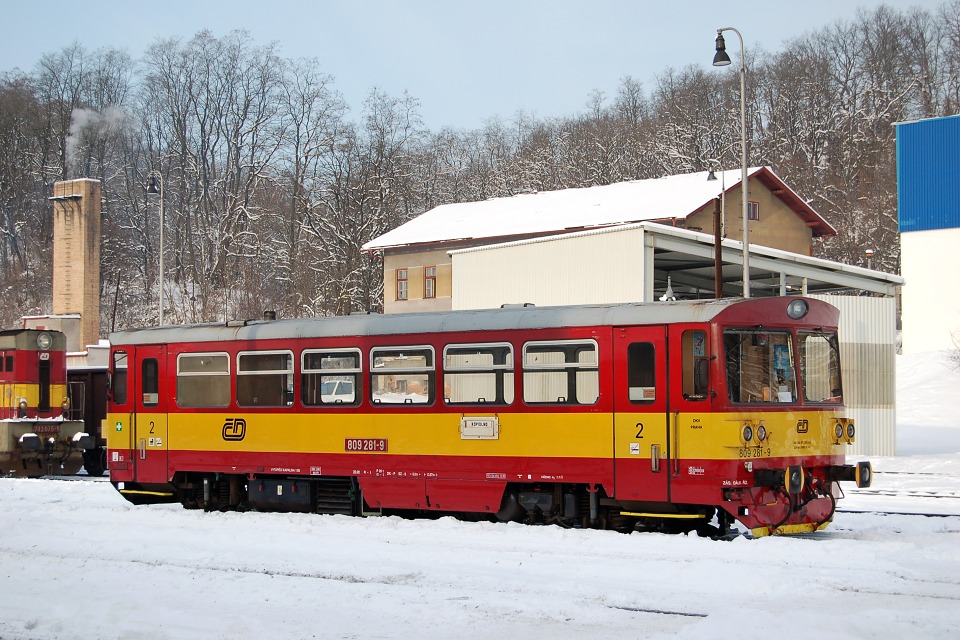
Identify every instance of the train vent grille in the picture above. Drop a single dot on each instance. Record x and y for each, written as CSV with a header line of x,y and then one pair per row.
x,y
336,496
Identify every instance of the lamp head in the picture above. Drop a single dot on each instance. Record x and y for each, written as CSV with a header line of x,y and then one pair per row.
x,y
153,187
721,59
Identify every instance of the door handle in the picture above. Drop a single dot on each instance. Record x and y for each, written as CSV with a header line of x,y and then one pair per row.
x,y
655,458
142,445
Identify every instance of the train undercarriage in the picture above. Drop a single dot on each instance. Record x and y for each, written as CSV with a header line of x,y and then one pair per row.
x,y
565,505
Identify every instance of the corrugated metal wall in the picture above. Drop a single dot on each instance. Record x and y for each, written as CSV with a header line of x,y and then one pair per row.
x,y
928,167
868,357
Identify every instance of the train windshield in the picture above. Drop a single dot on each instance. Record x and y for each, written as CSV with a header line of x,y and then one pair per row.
x,y
760,366
820,366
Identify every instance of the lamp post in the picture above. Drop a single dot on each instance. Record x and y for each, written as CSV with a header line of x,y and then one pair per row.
x,y
155,187
721,59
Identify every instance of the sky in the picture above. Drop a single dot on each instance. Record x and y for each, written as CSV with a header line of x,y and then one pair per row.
x,y
78,561
466,62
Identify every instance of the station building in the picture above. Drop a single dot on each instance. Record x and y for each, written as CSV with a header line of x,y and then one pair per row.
x,y
649,240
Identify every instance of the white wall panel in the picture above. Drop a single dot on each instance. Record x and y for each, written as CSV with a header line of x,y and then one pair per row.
x,y
868,355
582,268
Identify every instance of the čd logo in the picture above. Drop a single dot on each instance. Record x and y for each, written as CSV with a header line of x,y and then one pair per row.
x,y
234,429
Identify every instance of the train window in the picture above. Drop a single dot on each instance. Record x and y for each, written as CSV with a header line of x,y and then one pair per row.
x,y
118,379
478,373
330,377
203,380
265,378
820,367
696,379
759,365
150,382
641,375
402,375
9,360
561,372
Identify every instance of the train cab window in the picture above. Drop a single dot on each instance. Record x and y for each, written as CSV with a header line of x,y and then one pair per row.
x,y
330,377
402,375
820,367
478,374
150,382
265,378
561,372
759,365
118,378
203,380
641,375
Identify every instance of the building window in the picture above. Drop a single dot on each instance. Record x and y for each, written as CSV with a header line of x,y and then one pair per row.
x,y
430,282
402,284
753,210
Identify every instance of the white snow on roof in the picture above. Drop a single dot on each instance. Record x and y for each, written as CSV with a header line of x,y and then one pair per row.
x,y
549,211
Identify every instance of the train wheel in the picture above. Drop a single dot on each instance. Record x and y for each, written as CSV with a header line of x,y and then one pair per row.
x,y
95,462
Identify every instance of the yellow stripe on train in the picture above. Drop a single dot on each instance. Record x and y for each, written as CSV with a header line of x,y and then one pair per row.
x,y
707,436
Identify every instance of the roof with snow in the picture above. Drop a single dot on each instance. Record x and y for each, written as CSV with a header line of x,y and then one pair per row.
x,y
548,212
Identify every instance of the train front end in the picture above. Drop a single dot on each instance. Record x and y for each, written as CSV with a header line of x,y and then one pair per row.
x,y
782,430
37,436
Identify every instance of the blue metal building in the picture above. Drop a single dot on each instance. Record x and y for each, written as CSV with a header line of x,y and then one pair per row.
x,y
928,193
928,174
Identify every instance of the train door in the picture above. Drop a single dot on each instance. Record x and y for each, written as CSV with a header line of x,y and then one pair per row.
x,y
692,431
117,427
150,415
641,418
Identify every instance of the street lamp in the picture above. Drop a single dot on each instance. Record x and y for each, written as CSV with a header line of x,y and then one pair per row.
x,y
155,187
721,59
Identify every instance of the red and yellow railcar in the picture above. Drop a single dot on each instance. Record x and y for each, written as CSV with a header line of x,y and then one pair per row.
x,y
663,415
37,433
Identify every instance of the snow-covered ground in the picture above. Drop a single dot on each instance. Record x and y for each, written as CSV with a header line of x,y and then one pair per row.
x,y
77,561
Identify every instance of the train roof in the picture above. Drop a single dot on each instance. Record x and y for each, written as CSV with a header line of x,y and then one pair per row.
x,y
510,318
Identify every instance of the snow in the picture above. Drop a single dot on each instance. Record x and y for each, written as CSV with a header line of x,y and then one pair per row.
x,y
77,561
675,196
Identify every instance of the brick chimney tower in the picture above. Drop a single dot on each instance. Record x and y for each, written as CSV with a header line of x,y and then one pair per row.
x,y
76,254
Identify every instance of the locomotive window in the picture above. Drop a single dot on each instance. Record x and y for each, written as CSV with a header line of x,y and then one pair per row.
x,y
203,380
759,366
820,367
118,381
561,372
641,374
402,375
330,377
265,379
696,380
478,373
150,382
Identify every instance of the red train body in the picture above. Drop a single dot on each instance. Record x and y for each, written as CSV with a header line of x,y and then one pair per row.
x,y
658,416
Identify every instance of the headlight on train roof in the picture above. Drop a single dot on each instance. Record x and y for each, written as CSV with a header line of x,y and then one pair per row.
x,y
798,308
761,433
838,431
747,433
851,431
44,341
